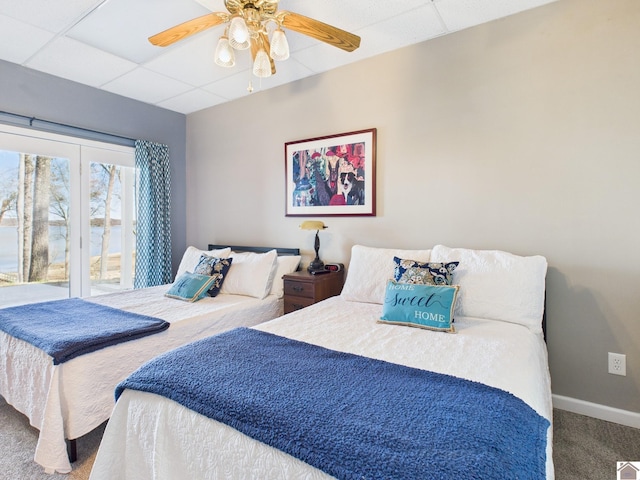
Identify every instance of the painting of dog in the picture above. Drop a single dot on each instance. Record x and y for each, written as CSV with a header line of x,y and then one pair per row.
x,y
352,188
335,174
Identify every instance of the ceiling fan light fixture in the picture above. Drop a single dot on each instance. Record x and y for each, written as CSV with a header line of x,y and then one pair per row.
x,y
257,25
262,65
239,36
279,45
224,53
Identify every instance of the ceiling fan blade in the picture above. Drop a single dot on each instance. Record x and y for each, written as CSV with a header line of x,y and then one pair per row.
x,y
318,30
186,29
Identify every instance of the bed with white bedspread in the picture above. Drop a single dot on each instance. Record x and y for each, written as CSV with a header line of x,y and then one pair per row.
x,y
499,343
68,400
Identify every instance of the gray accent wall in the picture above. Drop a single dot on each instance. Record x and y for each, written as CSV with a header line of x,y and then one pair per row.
x,y
522,134
35,94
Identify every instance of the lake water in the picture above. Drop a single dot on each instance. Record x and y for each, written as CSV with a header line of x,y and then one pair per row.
x,y
9,245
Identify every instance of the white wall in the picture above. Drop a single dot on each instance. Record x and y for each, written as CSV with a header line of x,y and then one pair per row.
x,y
521,135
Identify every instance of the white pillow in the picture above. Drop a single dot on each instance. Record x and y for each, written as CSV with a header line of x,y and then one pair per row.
x,y
497,285
285,264
369,270
192,255
250,274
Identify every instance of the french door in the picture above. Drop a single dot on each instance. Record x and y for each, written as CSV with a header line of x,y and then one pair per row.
x,y
67,216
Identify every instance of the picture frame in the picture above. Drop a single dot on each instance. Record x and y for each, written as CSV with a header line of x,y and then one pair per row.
x,y
334,175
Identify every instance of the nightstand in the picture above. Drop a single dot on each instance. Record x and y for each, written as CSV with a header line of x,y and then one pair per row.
x,y
302,289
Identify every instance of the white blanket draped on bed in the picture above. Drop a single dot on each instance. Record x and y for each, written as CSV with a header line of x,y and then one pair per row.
x,y
152,437
71,399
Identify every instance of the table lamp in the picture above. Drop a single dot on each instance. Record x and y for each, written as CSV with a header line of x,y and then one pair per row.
x,y
317,264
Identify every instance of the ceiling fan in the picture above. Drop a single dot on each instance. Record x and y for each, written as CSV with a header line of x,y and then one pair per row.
x,y
247,28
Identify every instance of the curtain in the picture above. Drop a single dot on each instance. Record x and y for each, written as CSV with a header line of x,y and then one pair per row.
x,y
153,230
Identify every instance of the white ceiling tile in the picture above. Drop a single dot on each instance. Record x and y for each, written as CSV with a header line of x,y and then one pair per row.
x,y
19,41
147,86
396,32
323,57
77,61
460,14
122,27
287,71
192,101
298,41
192,62
213,5
234,86
351,15
53,16
105,43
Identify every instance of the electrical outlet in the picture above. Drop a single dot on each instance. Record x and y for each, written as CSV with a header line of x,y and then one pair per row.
x,y
617,364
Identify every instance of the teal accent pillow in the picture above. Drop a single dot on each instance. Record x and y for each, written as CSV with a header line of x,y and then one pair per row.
x,y
425,273
190,287
424,306
215,267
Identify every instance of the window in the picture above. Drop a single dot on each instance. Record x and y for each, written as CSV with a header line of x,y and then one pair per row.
x,y
67,216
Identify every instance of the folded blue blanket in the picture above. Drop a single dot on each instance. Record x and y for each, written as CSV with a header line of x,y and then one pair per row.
x,y
352,417
67,328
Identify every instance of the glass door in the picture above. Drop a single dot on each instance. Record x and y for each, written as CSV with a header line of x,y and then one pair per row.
x,y
111,219
67,218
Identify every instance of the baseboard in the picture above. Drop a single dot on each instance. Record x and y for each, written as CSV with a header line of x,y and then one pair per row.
x,y
602,412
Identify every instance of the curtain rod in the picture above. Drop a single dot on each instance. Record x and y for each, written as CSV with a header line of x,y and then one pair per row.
x,y
61,128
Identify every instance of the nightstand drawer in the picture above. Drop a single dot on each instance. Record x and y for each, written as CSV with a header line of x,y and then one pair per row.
x,y
302,289
299,289
292,304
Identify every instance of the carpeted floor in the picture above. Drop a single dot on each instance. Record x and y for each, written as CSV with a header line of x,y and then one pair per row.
x,y
584,448
18,443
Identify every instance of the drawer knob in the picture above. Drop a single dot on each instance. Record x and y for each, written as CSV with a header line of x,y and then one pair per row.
x,y
297,288
297,306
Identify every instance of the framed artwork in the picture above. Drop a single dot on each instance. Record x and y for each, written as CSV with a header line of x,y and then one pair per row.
x,y
332,175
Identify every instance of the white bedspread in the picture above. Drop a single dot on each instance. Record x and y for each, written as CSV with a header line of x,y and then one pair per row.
x,y
151,437
71,399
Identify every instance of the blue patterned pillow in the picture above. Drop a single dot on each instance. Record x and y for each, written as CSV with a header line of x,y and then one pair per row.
x,y
215,267
190,287
424,273
417,305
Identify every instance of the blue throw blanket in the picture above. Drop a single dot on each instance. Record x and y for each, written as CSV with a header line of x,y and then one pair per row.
x,y
352,417
67,328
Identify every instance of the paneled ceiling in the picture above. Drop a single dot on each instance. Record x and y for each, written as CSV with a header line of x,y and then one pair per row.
x,y
103,43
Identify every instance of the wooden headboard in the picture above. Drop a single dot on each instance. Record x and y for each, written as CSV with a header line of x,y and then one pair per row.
x,y
236,248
